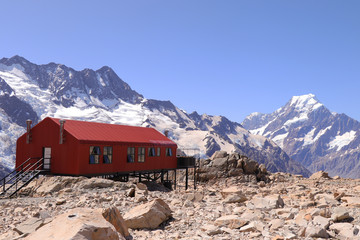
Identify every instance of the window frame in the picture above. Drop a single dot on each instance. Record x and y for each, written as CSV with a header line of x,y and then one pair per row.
x,y
168,152
94,156
131,154
141,154
151,152
158,154
108,154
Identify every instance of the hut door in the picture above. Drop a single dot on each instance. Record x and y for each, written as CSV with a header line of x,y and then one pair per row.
x,y
47,158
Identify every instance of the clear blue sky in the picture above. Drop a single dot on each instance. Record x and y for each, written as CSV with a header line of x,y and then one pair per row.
x,y
227,58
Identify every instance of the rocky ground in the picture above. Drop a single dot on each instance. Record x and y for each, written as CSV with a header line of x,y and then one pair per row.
x,y
282,207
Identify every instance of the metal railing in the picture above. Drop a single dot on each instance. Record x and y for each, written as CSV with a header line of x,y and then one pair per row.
x,y
26,172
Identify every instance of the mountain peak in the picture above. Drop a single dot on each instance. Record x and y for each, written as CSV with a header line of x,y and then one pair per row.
x,y
305,102
105,69
14,60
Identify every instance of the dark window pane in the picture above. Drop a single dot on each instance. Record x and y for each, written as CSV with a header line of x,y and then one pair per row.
x,y
94,154
92,159
131,154
168,152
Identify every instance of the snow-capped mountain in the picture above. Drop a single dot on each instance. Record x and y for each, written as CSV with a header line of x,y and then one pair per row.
x,y
30,91
312,135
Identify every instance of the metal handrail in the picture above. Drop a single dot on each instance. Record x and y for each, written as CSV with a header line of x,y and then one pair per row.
x,y
37,172
16,170
23,169
23,173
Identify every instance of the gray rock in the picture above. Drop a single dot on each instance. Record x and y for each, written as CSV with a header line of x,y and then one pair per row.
x,y
29,226
316,231
276,223
231,221
266,203
149,215
345,230
320,175
195,197
235,198
211,230
340,214
78,223
321,221
251,227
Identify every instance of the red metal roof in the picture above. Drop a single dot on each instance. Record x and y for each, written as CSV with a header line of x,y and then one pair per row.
x,y
104,132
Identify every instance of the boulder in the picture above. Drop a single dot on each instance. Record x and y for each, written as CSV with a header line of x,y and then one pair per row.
x,y
235,198
211,230
29,226
141,192
78,223
315,231
130,192
195,197
345,230
321,221
231,191
113,216
141,186
262,169
250,166
149,215
60,201
325,200
266,203
233,194
302,218
220,163
252,215
234,157
352,201
235,172
219,154
320,175
43,214
251,227
276,223
340,214
230,221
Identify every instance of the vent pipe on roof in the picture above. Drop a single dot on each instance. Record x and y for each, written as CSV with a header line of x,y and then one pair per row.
x,y
28,131
62,123
166,133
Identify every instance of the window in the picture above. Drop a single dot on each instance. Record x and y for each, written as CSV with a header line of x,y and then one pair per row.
x,y
107,155
94,154
158,152
151,152
131,154
168,152
141,154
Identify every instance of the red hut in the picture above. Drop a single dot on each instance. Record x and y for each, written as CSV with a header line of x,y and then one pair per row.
x,y
70,147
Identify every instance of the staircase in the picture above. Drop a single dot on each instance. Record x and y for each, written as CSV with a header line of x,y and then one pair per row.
x,y
20,177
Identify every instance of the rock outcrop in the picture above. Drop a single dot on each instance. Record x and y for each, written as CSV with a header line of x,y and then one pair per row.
x,y
221,165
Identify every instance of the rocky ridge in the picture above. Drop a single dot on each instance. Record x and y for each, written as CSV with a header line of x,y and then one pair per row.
x,y
284,206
